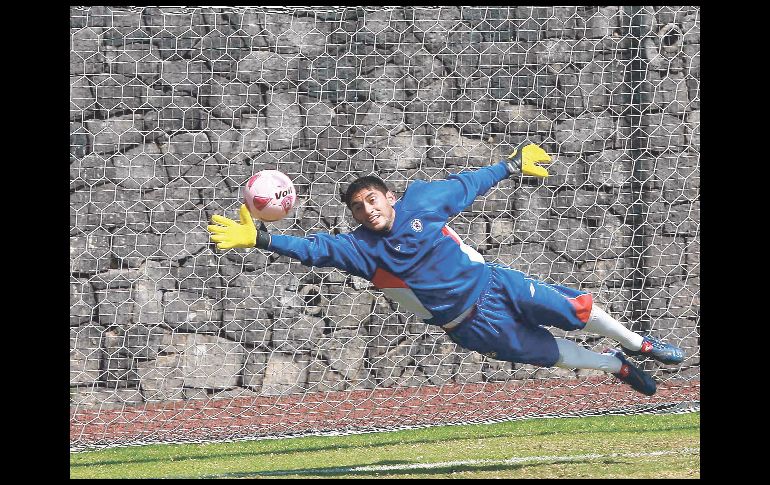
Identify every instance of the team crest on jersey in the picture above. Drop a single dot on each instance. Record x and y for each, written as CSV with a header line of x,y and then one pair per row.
x,y
416,225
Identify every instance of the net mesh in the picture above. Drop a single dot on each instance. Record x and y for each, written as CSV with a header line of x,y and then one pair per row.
x,y
172,109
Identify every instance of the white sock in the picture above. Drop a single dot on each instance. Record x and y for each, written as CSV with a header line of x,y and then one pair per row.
x,y
574,356
603,324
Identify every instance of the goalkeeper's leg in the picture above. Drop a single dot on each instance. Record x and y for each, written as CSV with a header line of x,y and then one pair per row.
x,y
600,322
573,356
570,309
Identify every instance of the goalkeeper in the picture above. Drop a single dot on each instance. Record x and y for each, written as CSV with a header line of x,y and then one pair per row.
x,y
405,248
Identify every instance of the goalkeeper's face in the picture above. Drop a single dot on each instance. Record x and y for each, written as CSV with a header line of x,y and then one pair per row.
x,y
373,209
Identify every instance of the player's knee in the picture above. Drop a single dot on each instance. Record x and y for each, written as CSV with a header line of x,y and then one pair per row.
x,y
582,305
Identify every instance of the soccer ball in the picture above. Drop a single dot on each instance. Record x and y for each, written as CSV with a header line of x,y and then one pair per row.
x,y
269,195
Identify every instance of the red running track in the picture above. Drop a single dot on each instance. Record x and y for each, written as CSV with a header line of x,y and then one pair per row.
x,y
240,418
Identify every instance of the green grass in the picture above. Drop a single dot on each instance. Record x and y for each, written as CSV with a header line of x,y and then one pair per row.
x,y
600,447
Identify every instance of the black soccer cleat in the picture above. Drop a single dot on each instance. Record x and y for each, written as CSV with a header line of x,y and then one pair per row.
x,y
658,350
633,376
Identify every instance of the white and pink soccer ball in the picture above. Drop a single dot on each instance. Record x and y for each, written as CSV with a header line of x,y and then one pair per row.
x,y
269,195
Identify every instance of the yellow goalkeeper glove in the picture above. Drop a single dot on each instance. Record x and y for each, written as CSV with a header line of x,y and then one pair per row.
x,y
230,234
525,158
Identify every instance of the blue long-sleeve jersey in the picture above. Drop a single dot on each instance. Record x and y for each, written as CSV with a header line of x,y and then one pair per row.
x,y
421,263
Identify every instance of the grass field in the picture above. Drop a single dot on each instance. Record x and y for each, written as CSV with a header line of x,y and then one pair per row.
x,y
639,446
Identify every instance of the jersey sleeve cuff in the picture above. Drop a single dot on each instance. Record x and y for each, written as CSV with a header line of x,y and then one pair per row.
x,y
503,169
263,240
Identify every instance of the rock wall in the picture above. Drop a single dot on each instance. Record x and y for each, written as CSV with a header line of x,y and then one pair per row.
x,y
172,109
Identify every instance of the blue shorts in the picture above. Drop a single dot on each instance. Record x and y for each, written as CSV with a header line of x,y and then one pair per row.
x,y
506,323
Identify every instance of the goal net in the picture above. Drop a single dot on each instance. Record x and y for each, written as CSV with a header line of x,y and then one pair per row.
x,y
172,109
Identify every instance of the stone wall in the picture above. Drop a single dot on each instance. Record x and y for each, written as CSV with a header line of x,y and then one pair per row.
x,y
172,109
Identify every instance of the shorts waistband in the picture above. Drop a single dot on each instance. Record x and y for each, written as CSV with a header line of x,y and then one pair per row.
x,y
450,326
467,314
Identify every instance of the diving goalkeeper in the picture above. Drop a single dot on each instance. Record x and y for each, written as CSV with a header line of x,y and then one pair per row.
x,y
405,248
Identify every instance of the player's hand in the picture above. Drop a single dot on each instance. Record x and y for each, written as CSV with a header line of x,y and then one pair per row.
x,y
230,234
525,159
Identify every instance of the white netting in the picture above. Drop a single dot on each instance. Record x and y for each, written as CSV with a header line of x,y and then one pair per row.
x,y
172,109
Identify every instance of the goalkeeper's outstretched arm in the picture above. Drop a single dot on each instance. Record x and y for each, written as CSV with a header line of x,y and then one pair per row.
x,y
320,249
458,191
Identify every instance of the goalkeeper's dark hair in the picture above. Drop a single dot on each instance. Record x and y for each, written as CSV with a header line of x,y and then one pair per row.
x,y
366,182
